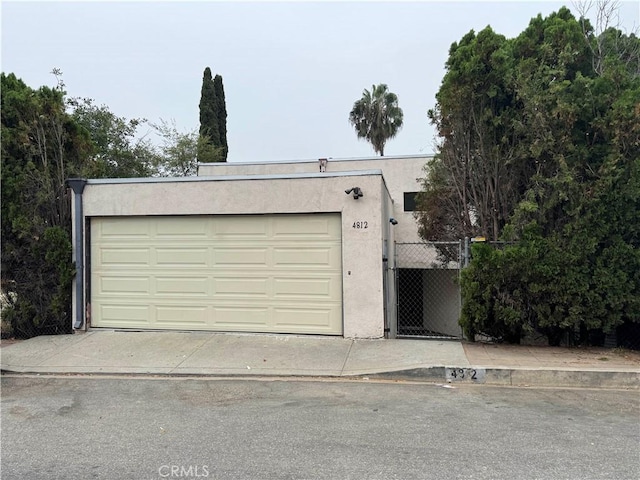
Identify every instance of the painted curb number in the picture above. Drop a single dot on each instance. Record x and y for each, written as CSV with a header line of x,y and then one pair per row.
x,y
465,374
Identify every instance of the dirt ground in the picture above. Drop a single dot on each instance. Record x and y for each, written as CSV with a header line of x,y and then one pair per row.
x,y
544,356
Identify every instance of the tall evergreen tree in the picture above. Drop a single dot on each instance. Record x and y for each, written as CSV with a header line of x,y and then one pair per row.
x,y
213,120
221,111
208,116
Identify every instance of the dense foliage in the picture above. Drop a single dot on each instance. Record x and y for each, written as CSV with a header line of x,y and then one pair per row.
x,y
177,154
540,146
41,147
213,120
377,116
48,137
116,150
221,112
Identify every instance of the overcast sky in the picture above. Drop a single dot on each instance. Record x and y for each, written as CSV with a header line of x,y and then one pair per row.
x,y
291,70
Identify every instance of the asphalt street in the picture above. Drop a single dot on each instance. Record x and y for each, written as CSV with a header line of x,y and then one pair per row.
x,y
155,428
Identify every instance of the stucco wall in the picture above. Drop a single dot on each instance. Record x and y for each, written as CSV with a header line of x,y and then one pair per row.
x,y
401,175
363,307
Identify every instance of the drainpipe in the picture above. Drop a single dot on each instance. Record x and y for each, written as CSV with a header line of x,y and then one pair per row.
x,y
77,185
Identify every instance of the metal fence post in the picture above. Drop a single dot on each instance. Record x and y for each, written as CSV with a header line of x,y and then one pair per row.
x,y
467,252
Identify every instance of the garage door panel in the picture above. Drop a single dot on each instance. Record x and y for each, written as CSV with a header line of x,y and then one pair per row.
x,y
232,317
124,228
181,286
241,287
307,288
123,314
125,257
118,285
266,273
181,257
293,257
183,228
307,258
181,316
240,257
242,227
313,319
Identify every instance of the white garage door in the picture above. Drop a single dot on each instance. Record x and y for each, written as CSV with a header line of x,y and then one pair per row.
x,y
251,273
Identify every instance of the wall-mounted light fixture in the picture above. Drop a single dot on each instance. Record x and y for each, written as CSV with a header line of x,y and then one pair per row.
x,y
357,193
393,221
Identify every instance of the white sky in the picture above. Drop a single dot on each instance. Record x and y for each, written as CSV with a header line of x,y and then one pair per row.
x,y
291,70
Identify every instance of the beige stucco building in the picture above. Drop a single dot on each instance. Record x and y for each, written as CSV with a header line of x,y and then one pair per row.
x,y
278,247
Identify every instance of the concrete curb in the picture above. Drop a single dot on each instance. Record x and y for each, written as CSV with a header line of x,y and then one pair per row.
x,y
503,376
566,378
520,377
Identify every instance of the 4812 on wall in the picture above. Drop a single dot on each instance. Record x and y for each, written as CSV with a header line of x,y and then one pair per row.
x,y
360,224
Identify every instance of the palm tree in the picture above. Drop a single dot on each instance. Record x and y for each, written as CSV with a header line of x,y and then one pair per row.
x,y
376,116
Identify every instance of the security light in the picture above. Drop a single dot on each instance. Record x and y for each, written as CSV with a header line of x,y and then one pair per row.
x,y
357,193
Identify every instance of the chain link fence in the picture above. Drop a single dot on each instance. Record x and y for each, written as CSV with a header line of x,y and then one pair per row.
x,y
428,289
626,335
34,316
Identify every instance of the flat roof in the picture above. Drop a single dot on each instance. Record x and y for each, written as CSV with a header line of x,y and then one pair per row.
x,y
329,159
224,178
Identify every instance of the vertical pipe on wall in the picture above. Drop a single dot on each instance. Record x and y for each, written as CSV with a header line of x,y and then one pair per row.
x,y
385,292
77,185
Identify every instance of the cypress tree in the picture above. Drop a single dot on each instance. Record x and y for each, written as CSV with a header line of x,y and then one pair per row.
x,y
208,119
221,111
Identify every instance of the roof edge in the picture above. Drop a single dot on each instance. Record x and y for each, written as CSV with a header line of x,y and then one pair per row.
x,y
330,159
222,178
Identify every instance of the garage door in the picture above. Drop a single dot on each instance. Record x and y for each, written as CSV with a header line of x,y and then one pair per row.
x,y
252,273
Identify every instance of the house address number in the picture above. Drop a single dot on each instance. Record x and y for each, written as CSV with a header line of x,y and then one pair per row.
x,y
465,374
361,225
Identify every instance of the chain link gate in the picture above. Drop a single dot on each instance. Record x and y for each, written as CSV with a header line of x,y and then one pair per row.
x,y
428,289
